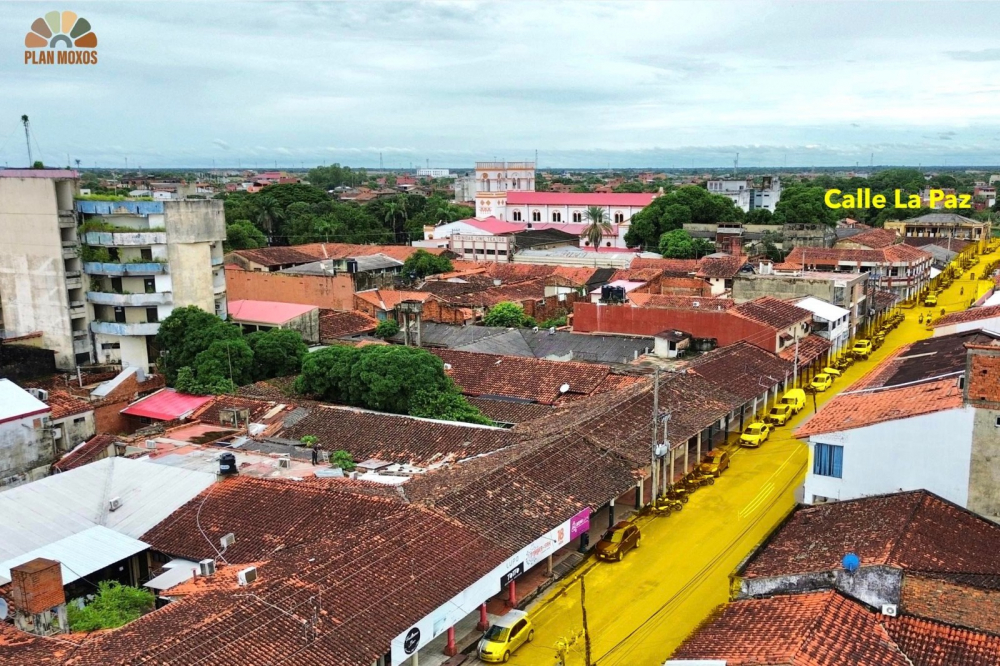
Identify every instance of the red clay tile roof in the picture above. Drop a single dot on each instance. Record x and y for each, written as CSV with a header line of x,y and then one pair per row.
x,y
817,629
811,347
678,267
964,316
912,531
510,411
520,377
210,412
671,301
636,274
345,250
773,312
334,324
965,600
395,438
859,410
388,299
63,405
875,238
275,256
827,629
743,369
18,648
87,452
813,256
720,267
928,643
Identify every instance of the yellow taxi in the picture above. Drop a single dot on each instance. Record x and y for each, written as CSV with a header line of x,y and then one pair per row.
x,y
504,636
833,372
755,434
821,382
862,348
930,300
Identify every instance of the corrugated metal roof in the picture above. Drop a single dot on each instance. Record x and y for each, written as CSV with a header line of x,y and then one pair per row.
x,y
81,554
267,312
45,511
166,405
16,403
177,571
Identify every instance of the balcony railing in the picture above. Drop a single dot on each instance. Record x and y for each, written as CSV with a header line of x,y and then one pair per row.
x,y
134,300
74,282
217,261
122,328
144,268
125,239
77,309
70,249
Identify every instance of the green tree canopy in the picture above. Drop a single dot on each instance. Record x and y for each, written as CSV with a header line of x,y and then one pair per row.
x,y
678,244
186,333
386,329
243,235
401,380
422,263
114,605
804,205
506,314
674,209
276,353
758,216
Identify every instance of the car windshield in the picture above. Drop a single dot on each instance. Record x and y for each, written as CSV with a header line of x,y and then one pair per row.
x,y
753,430
614,537
497,633
780,409
821,378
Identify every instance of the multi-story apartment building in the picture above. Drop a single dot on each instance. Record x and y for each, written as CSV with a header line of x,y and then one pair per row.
x,y
746,195
41,284
143,259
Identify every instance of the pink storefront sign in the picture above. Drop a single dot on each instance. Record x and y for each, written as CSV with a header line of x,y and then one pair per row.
x,y
579,524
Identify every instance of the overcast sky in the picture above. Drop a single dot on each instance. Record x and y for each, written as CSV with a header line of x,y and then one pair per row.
x,y
586,84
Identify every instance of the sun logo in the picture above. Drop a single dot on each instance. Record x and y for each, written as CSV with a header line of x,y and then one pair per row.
x,y
60,28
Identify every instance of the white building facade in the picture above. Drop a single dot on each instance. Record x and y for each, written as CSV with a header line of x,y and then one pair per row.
x,y
26,444
493,181
153,257
746,195
829,321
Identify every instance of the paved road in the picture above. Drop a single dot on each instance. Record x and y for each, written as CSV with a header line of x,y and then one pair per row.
x,y
639,610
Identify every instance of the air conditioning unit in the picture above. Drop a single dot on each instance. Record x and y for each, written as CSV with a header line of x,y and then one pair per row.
x,y
41,394
284,462
114,503
889,609
56,432
207,567
247,576
150,443
227,540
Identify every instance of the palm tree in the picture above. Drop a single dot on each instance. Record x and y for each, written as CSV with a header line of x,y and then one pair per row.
x,y
597,226
269,211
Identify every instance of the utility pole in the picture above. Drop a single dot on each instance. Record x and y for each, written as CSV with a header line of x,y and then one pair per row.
x,y
666,447
27,139
795,370
656,415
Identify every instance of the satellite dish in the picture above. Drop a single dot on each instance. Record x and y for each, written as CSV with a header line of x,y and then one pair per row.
x,y
564,388
851,562
3,610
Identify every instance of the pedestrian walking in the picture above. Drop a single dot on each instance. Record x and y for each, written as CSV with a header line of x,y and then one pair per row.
x,y
315,452
920,319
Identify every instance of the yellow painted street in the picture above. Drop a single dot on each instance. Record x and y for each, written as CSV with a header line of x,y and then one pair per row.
x,y
639,610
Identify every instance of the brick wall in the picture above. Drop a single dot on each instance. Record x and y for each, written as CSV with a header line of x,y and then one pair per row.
x,y
951,602
334,292
107,413
721,325
550,306
36,586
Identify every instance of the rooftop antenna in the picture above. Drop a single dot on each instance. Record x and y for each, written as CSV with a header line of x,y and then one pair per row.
x,y
27,139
